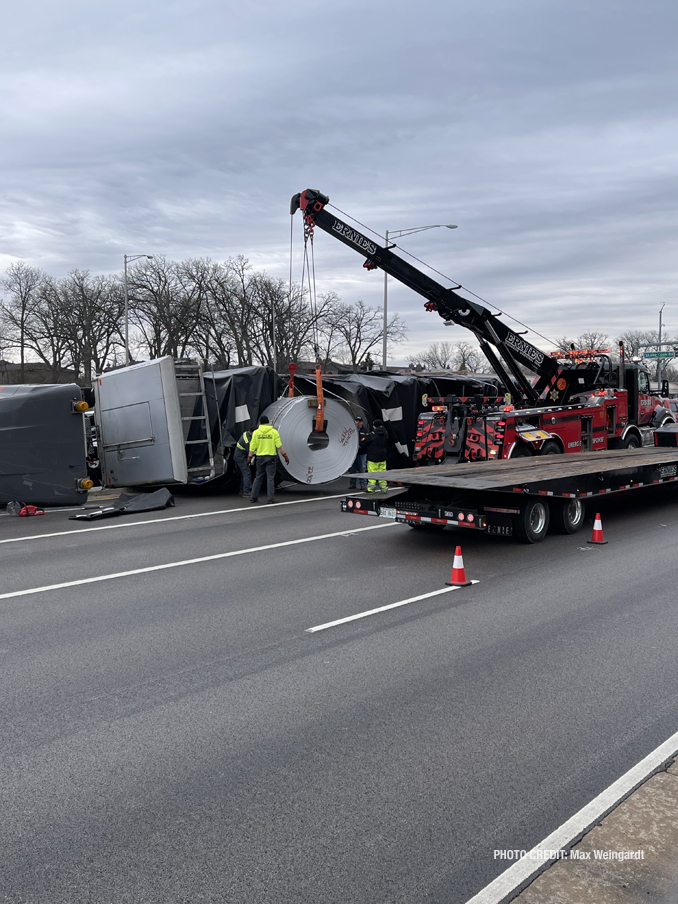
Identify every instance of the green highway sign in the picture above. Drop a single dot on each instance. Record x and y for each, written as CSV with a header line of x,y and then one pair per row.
x,y
659,354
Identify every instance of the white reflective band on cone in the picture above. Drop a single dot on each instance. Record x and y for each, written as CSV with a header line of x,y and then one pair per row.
x,y
293,419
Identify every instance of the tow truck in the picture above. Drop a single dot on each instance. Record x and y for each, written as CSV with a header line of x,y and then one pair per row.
x,y
576,402
518,498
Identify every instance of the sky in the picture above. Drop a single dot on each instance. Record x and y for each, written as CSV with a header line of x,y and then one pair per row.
x,y
547,130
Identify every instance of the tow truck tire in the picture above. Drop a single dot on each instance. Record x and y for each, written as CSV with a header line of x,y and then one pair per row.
x,y
521,450
550,448
630,442
532,522
567,515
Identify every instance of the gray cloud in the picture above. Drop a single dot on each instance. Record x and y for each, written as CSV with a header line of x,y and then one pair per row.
x,y
546,131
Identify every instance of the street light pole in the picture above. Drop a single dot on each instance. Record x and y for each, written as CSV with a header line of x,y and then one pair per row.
x,y
659,360
399,233
127,258
385,342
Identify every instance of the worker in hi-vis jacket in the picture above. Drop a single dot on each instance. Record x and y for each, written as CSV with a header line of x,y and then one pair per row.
x,y
240,457
265,444
376,444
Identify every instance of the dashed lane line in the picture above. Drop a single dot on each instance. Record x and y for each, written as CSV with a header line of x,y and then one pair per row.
x,y
248,508
350,618
212,558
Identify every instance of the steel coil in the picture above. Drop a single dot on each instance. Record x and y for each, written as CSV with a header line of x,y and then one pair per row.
x,y
293,419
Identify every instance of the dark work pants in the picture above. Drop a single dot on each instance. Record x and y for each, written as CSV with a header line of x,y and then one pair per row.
x,y
240,459
266,464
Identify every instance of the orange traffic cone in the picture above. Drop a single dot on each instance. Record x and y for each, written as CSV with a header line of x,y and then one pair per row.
x,y
458,578
598,532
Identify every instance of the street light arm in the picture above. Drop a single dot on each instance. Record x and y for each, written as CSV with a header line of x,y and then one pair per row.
x,y
401,233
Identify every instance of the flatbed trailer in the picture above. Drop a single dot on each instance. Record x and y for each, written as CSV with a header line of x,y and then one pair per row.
x,y
518,498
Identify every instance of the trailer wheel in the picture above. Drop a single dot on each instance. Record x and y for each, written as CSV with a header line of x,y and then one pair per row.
x,y
532,522
550,448
567,516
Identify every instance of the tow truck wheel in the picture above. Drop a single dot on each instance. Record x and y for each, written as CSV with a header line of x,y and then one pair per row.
x,y
521,450
630,442
550,448
533,521
567,516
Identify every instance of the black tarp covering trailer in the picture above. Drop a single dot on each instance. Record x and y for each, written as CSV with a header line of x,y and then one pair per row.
x,y
397,399
242,395
43,453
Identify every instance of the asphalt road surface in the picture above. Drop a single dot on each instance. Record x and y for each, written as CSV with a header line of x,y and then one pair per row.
x,y
177,735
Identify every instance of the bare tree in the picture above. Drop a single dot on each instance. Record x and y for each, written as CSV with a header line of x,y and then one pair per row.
x,y
591,340
22,283
46,330
297,324
90,311
462,357
438,356
360,329
165,306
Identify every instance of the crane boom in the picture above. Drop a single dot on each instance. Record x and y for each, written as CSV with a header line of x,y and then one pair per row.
x,y
505,349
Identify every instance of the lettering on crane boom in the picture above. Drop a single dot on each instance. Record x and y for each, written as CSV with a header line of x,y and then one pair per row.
x,y
355,237
524,348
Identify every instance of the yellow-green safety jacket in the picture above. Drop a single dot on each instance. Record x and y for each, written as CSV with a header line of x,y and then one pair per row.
x,y
244,442
265,440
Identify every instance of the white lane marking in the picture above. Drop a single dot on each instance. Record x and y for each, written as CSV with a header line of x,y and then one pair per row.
x,y
220,555
412,599
250,508
518,876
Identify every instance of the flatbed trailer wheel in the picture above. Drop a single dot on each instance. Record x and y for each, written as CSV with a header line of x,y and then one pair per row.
x,y
533,521
567,515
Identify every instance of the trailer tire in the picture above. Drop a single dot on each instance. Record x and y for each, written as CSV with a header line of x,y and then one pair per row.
x,y
567,516
532,522
550,448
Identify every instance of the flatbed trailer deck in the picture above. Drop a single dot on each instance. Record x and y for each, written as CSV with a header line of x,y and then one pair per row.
x,y
516,497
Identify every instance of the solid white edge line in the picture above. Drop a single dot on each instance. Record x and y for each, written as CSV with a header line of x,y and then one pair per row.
x,y
517,877
350,618
212,558
248,508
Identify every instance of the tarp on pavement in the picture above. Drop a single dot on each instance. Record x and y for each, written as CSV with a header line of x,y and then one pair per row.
x,y
129,505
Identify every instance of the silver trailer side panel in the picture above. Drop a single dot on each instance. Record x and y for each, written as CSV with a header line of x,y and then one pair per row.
x,y
141,437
